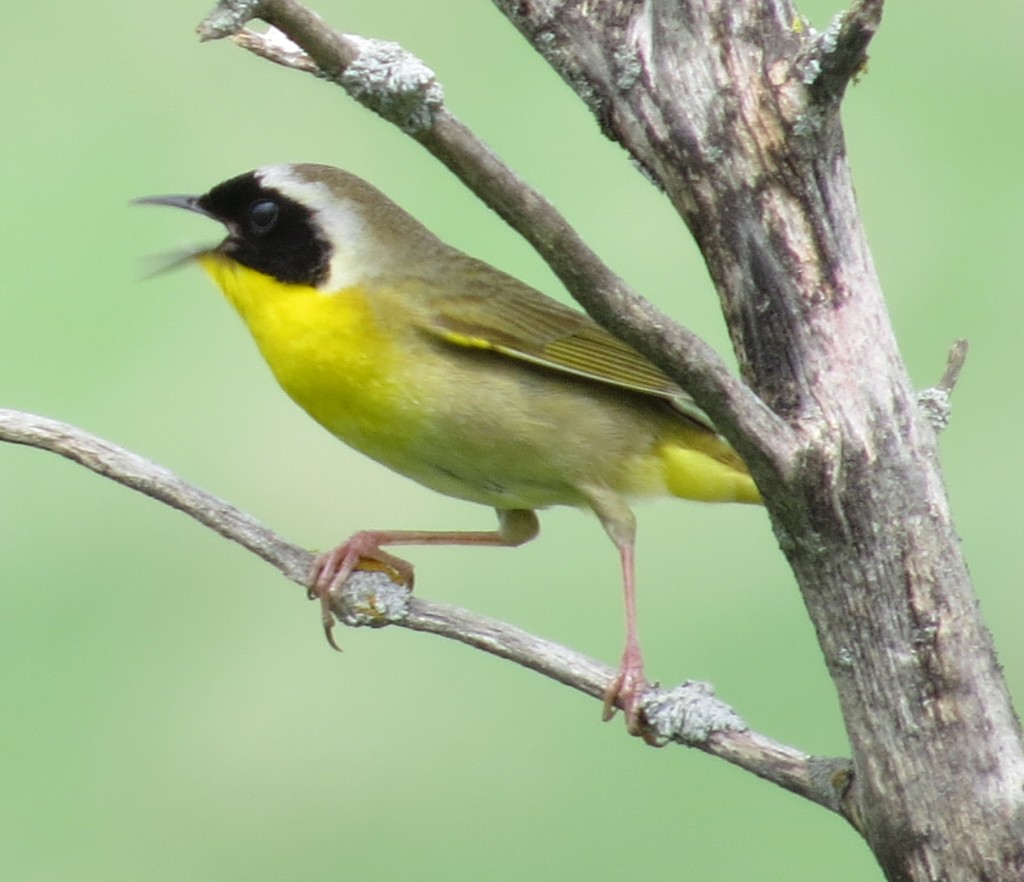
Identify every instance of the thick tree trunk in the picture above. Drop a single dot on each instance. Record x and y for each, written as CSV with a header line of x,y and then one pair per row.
x,y
732,108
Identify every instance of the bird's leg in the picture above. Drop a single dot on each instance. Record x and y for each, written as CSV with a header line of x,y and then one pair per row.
x,y
629,684
331,570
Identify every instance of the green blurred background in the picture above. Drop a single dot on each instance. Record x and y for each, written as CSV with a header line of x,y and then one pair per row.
x,y
170,709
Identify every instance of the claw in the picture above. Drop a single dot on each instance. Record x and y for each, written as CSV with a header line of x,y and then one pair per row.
x,y
329,634
332,569
626,691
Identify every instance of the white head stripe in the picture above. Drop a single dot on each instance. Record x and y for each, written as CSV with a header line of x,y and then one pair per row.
x,y
339,218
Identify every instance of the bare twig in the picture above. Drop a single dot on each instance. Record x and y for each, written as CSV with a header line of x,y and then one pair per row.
x,y
273,46
954,364
936,402
145,476
841,50
688,715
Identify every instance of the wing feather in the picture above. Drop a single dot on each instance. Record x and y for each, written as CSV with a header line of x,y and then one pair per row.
x,y
508,317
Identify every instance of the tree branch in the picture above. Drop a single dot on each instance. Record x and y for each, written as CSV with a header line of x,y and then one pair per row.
x,y
689,714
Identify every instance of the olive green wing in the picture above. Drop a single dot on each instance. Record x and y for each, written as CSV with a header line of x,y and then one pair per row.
x,y
506,316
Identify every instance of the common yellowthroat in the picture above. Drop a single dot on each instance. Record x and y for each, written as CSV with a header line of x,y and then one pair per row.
x,y
454,374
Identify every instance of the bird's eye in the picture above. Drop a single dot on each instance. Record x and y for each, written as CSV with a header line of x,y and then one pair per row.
x,y
263,216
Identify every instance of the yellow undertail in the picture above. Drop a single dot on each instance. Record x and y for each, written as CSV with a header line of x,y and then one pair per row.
x,y
693,474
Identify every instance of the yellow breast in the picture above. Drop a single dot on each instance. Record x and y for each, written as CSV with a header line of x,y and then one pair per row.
x,y
329,352
469,424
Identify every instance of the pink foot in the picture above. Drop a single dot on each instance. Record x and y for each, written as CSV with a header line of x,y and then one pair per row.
x,y
360,551
626,691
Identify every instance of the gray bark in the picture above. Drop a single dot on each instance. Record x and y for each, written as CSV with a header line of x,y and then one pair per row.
x,y
733,109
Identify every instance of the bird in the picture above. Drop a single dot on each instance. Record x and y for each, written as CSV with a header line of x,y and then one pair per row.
x,y
455,374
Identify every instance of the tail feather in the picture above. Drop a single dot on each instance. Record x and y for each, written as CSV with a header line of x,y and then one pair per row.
x,y
709,472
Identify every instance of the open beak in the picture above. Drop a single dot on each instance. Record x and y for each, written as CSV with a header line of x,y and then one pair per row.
x,y
189,203
177,259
